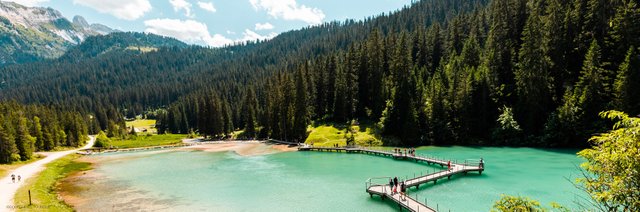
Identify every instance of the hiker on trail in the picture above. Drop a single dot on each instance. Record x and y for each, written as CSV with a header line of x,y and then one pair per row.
x,y
13,178
19,178
449,165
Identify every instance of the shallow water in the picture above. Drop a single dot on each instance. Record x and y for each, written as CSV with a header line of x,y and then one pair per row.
x,y
319,181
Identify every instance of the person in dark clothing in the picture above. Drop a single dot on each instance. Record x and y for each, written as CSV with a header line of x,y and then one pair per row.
x,y
403,189
13,178
391,185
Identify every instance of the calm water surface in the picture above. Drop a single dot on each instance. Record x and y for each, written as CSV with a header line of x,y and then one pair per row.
x,y
320,181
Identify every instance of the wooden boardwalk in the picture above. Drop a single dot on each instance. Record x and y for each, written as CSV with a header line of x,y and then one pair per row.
x,y
383,189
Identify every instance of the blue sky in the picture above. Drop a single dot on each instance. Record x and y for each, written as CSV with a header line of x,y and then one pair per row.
x,y
217,22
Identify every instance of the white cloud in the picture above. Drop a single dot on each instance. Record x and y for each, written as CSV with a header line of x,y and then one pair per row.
x,y
191,31
265,26
208,6
182,5
29,3
122,9
289,10
253,36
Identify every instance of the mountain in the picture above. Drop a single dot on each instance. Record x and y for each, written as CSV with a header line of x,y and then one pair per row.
x,y
120,42
98,28
34,33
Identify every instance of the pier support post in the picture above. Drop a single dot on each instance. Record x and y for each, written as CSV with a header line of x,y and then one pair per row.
x,y
435,181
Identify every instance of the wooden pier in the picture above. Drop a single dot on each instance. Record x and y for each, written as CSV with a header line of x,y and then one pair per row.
x,y
382,188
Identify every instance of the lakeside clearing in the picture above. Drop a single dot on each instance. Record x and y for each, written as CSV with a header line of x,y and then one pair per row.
x,y
327,135
148,141
143,124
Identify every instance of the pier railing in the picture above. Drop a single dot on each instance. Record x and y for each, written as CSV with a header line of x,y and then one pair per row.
x,y
375,181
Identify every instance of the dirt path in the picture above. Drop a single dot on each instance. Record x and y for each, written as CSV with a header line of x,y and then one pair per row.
x,y
9,188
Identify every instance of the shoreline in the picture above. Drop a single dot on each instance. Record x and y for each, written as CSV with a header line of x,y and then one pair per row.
x,y
190,143
78,190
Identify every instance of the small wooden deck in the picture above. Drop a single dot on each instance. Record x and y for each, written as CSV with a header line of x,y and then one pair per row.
x,y
383,189
409,203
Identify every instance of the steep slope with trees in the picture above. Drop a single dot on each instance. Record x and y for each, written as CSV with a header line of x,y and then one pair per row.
x,y
508,72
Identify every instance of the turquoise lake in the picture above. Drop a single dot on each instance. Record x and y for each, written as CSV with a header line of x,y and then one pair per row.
x,y
322,181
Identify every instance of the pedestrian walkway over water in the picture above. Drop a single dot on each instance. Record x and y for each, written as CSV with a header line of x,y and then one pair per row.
x,y
380,185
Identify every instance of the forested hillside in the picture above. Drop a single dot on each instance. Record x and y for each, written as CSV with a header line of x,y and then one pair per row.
x,y
27,129
445,72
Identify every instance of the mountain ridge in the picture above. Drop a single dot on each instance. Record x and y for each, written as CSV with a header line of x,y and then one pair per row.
x,y
34,33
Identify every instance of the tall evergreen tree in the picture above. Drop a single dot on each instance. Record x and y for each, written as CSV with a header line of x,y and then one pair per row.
x,y
627,84
376,58
533,81
37,131
8,150
24,141
301,117
249,113
401,118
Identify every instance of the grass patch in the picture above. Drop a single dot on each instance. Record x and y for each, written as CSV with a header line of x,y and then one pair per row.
x,y
328,135
148,141
142,123
7,168
43,186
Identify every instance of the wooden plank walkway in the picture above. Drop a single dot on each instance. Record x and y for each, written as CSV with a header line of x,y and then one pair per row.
x,y
383,190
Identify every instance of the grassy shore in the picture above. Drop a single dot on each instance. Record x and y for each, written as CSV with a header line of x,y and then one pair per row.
x,y
148,141
6,168
329,135
43,187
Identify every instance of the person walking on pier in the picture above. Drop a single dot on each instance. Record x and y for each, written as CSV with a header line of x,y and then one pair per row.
x,y
391,186
449,165
481,163
403,189
395,184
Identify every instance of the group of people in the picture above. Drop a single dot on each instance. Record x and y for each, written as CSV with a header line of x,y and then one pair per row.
x,y
410,151
13,178
393,184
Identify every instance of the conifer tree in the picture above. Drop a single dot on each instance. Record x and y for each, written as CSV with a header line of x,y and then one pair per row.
x,y
24,141
533,81
37,131
249,113
375,55
8,150
301,117
627,84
